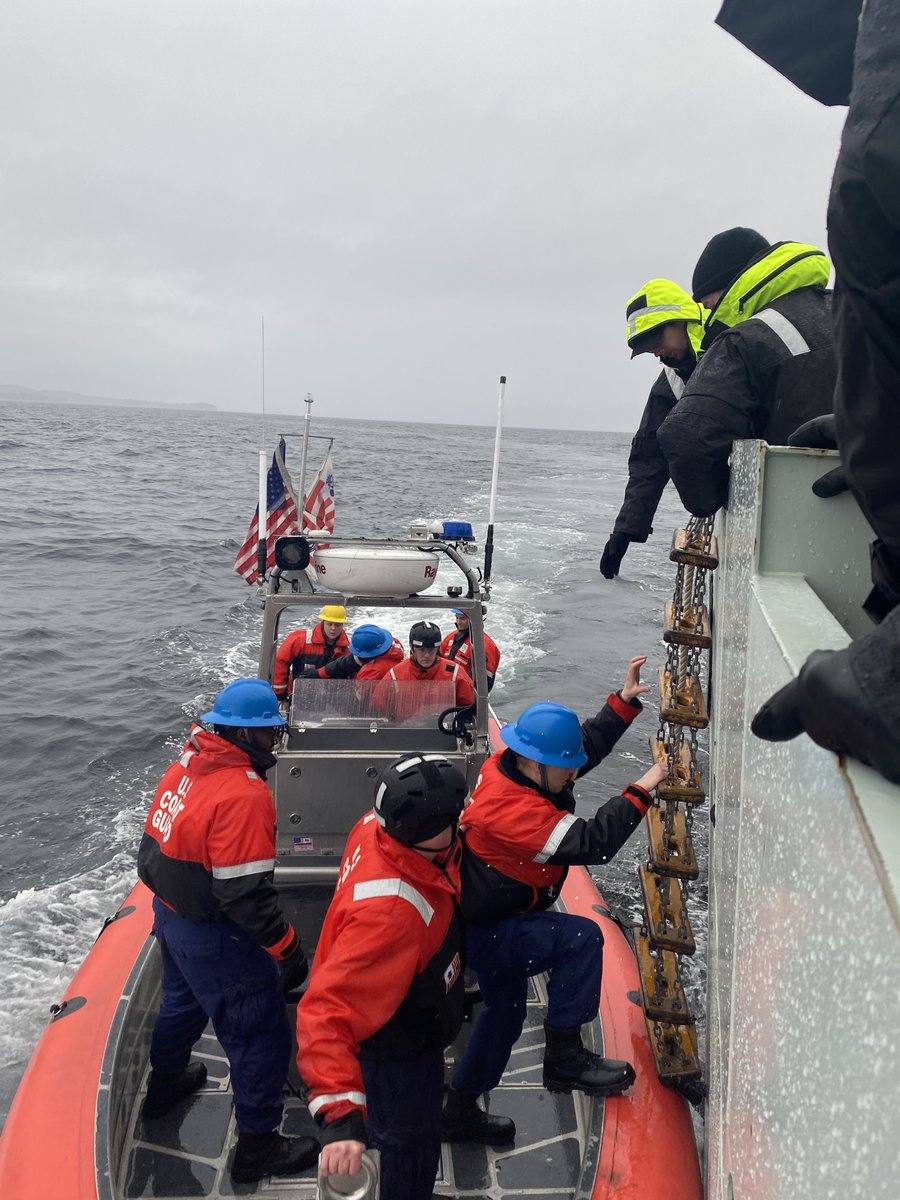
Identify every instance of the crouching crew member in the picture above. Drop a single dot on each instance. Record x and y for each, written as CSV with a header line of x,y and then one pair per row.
x,y
386,991
457,647
307,653
520,836
373,651
228,951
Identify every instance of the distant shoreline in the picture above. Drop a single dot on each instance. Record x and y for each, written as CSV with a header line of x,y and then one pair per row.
x,y
11,393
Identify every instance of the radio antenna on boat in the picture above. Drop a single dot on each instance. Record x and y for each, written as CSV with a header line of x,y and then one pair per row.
x,y
263,377
308,401
489,542
262,546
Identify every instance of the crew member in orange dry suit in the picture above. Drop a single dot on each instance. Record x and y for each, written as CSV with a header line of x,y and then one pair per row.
x,y
227,949
521,835
457,647
303,653
373,651
386,993
424,663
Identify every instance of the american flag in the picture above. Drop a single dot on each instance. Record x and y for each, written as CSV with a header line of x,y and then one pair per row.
x,y
281,518
318,505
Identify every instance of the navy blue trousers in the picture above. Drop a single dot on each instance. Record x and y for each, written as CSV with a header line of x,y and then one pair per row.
x,y
217,973
504,954
404,1098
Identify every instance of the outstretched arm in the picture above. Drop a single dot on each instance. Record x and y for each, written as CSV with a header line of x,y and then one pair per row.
x,y
601,732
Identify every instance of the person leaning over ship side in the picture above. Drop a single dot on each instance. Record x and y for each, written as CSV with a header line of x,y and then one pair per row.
x,y
228,951
768,359
848,701
660,319
373,651
520,836
457,647
306,653
386,993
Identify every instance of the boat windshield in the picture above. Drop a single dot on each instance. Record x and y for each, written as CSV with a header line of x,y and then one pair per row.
x,y
347,703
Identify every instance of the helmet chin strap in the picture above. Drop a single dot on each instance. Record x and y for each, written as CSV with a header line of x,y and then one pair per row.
x,y
545,782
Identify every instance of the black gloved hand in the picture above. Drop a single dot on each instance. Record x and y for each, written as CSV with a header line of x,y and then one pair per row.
x,y
294,970
613,553
778,720
827,701
309,671
819,434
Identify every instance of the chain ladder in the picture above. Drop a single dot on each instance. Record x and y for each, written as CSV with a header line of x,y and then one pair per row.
x,y
665,879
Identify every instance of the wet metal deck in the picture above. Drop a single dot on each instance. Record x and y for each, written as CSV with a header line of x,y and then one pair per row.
x,y
187,1153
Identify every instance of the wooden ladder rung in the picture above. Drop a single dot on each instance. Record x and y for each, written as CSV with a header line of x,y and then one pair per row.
x,y
684,707
686,787
668,1001
685,551
692,630
673,853
675,1051
668,927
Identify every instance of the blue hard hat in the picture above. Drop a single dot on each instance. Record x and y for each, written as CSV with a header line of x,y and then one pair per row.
x,y
246,703
549,734
368,641
458,611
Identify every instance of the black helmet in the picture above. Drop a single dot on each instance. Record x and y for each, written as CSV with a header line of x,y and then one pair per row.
x,y
425,633
419,795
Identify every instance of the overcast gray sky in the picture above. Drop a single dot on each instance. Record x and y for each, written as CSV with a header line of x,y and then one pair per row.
x,y
417,195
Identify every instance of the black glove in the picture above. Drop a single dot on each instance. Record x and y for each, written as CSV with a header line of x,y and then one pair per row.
x,y
778,720
345,666
309,671
294,970
819,434
613,553
827,702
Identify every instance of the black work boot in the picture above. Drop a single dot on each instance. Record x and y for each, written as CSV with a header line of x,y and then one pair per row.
x,y
164,1091
464,1121
260,1154
568,1065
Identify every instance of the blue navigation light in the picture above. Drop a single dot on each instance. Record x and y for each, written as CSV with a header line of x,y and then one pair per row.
x,y
457,531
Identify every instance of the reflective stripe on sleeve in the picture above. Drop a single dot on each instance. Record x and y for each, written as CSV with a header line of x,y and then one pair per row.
x,y
395,887
321,1101
785,329
239,869
676,383
560,830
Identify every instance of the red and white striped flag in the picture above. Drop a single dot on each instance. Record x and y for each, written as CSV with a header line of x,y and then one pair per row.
x,y
281,519
318,505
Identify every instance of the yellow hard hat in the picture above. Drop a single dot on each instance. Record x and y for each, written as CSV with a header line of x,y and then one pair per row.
x,y
336,613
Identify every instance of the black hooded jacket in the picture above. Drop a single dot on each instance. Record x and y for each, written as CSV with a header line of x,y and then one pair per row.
x,y
648,470
751,383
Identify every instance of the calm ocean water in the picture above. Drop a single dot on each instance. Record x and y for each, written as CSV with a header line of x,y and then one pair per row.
x,y
122,617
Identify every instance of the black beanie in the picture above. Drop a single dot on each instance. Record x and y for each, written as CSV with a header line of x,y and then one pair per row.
x,y
724,257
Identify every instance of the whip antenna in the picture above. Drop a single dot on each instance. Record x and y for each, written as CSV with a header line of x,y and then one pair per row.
x,y
262,550
489,543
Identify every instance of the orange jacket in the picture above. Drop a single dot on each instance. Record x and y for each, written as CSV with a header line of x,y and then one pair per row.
x,y
441,669
521,840
302,649
377,668
457,647
208,849
391,926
